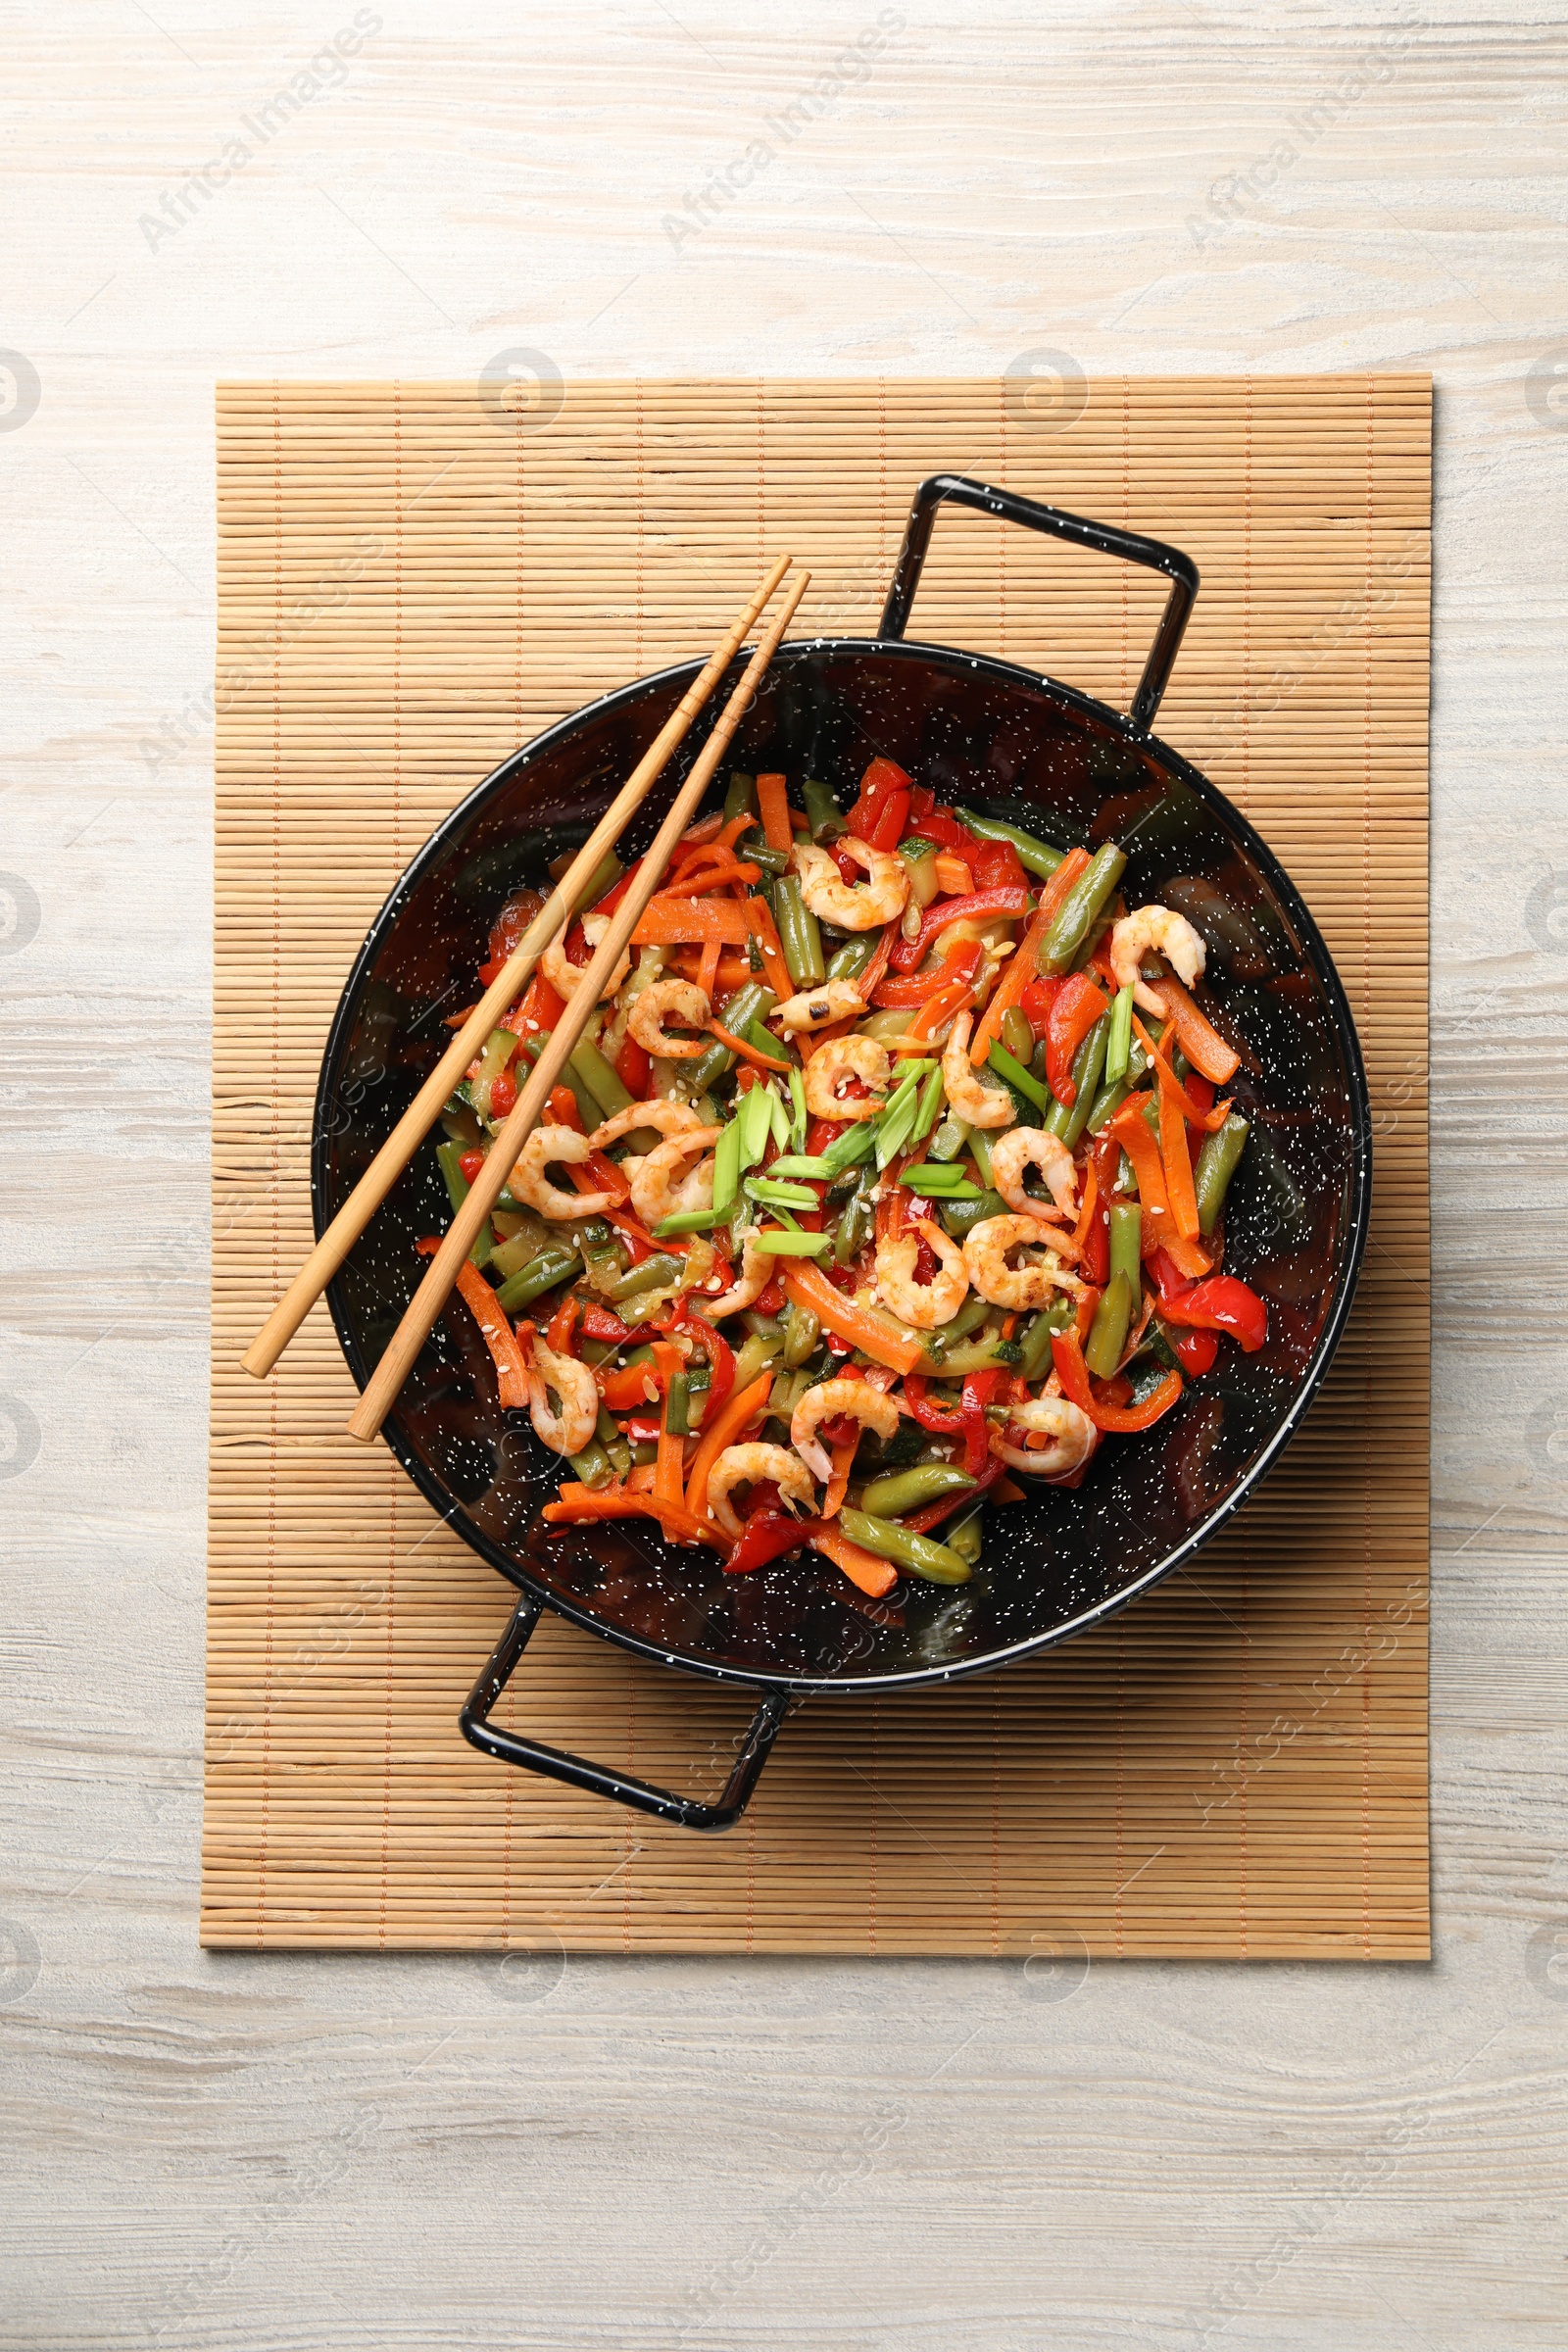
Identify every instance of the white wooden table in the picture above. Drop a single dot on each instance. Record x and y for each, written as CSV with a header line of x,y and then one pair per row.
x,y
309,2152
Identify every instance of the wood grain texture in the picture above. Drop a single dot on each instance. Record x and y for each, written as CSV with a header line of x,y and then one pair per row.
x,y
302,2150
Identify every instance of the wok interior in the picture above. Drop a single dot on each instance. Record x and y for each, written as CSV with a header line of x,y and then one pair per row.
x,y
976,734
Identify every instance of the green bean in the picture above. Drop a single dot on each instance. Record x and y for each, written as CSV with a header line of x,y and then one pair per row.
x,y
1040,1062
740,799
801,1331
643,1450
900,1492
852,1230
799,933
1118,1049
542,1273
753,1003
962,1216
1087,1064
449,1155
1107,1333
588,1109
917,1553
969,1317
606,871
676,1419
1036,855
1037,1357
964,1535
1216,1165
755,848
651,1275
756,1352
827,822
587,1063
1080,907
977,1356
1016,1033
593,1465
1126,1241
608,1431
850,961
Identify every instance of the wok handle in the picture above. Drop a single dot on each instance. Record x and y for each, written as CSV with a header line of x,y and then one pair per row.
x,y
601,1780
1104,539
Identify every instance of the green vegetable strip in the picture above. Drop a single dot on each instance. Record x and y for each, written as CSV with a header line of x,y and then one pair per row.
x,y
1035,856
855,1143
753,1003
755,1121
588,1109
740,799
587,1063
902,1491
687,1220
1080,907
822,810
781,1196
606,871
675,1418
919,1554
802,1164
798,934
1216,1165
980,1149
795,1245
553,1264
852,1230
727,1167
1037,1357
1107,1333
962,1213
1027,1084
1126,1239
935,1176
754,848
1119,1049
800,1122
779,1117
457,1185
850,961
950,1139
930,1105
1087,1064
592,1466
651,1275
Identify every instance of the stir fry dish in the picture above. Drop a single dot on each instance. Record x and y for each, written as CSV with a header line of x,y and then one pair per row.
x,y
889,1172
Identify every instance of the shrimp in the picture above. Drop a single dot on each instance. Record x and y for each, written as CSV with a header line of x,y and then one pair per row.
x,y
845,1057
814,1007
757,1272
922,1305
1163,929
747,1465
652,1179
1032,1146
1073,1437
985,1251
565,976
979,1105
856,1397
865,907
675,1001
528,1181
568,1430
665,1118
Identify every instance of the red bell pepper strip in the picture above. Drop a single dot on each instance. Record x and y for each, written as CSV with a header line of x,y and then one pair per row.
x,y
1012,902
720,1358
1074,1377
541,1007
1221,1304
881,780
562,1325
941,1420
624,1391
602,1323
1021,966
994,863
765,1536
960,962
511,1372
1195,1350
979,1391
922,800
1036,1002
1076,1008
940,826
888,831
634,1067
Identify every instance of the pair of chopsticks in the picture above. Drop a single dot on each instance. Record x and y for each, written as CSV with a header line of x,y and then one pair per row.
x,y
416,1121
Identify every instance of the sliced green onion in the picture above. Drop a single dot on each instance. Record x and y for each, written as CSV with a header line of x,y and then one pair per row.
x,y
980,1146
893,1131
779,1244
798,1097
783,1196
950,1137
687,1220
1119,1043
727,1167
780,1117
798,1163
755,1123
1027,1084
930,1105
854,1143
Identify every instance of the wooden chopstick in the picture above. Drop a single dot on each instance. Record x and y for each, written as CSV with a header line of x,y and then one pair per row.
x,y
425,1108
430,1297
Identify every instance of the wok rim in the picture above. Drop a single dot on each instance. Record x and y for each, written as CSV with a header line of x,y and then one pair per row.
x,y
1008,674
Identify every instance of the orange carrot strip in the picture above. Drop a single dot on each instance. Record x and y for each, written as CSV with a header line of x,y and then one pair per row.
x,y
1201,1042
704,830
665,921
737,1412
1189,1254
749,1052
773,804
1173,1151
511,1374
760,927
1086,1212
1019,968
707,969
837,1485
878,1340
863,1568
944,1005
577,1506
953,878
697,879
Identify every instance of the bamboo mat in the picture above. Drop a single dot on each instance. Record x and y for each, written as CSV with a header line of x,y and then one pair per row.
x,y
413,582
